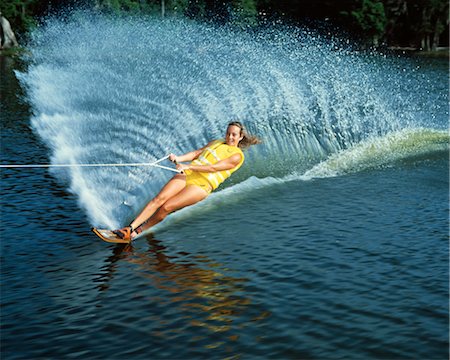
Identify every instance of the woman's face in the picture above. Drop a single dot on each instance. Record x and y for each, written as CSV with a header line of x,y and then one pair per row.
x,y
233,135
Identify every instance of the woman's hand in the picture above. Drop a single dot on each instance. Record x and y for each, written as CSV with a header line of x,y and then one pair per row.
x,y
182,167
173,158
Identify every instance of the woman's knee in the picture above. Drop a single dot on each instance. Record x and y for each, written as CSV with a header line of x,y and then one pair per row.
x,y
167,208
159,200
161,214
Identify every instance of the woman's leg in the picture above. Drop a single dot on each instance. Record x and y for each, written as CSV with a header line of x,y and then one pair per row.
x,y
188,196
172,188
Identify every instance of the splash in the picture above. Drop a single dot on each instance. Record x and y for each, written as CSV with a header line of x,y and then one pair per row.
x,y
147,87
405,145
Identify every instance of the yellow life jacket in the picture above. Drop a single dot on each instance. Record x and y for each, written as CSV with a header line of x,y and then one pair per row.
x,y
216,151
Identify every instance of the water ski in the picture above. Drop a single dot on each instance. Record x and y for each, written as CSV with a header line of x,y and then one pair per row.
x,y
109,236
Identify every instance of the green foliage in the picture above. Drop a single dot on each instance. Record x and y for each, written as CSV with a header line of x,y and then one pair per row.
x,y
371,16
435,20
245,12
179,6
19,13
368,17
429,12
118,6
144,6
417,23
401,22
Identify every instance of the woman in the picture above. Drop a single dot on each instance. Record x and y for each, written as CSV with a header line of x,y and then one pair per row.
x,y
208,168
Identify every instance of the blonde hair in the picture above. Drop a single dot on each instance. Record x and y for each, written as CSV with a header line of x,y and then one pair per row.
x,y
247,140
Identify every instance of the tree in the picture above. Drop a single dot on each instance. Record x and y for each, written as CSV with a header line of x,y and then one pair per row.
x,y
369,17
7,36
432,18
245,12
18,13
417,23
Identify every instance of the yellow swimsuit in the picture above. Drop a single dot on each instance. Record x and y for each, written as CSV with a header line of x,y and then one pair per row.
x,y
218,150
194,178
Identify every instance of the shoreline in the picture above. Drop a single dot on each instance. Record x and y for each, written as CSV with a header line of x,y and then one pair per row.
x,y
440,52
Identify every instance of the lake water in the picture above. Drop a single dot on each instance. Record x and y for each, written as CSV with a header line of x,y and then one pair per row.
x,y
330,243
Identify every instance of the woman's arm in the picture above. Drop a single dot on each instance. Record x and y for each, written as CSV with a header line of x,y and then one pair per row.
x,y
194,154
225,164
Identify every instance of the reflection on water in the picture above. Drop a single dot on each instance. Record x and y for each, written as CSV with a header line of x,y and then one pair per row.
x,y
194,285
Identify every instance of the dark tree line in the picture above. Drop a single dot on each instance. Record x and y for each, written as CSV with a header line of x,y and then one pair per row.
x,y
413,23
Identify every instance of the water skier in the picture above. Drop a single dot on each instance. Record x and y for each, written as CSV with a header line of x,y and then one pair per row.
x,y
209,166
